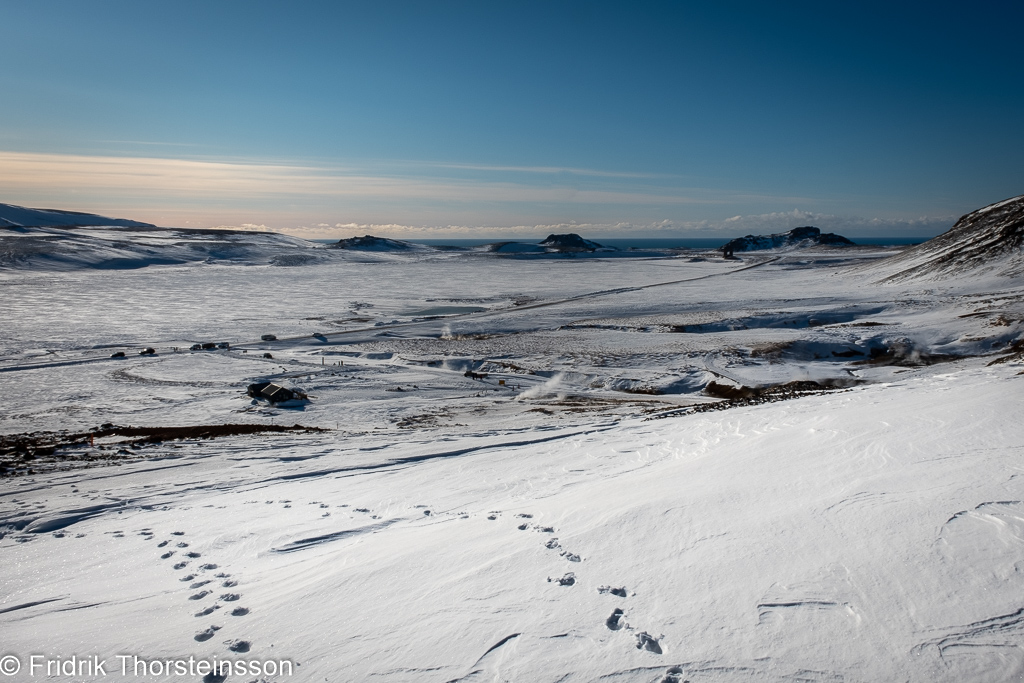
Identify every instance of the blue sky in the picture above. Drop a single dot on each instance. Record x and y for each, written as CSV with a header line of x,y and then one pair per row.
x,y
460,118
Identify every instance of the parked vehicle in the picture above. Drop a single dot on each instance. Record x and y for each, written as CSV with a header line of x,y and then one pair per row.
x,y
269,337
117,354
148,351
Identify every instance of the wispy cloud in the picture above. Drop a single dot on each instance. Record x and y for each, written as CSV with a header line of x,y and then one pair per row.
x,y
410,199
545,170
153,177
149,143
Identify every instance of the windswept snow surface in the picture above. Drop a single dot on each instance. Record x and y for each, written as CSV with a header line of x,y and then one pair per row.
x,y
570,516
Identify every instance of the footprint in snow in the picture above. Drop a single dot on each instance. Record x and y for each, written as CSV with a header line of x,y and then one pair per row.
x,y
613,622
187,577
239,611
177,533
206,634
568,580
161,544
552,544
645,641
214,678
229,584
183,545
181,565
208,611
572,557
167,554
193,555
619,592
199,584
199,596
238,645
230,597
672,675
208,567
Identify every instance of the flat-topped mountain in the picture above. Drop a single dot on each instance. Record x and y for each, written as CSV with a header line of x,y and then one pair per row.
x,y
569,242
12,216
806,236
988,240
371,243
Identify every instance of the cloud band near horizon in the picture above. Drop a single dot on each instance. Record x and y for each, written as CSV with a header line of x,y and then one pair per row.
x,y
414,199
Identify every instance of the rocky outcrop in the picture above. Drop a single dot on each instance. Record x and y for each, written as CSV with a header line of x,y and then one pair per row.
x,y
988,240
569,243
371,243
806,236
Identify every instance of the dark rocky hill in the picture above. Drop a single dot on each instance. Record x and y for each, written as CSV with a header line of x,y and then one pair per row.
x,y
371,243
570,242
988,240
797,237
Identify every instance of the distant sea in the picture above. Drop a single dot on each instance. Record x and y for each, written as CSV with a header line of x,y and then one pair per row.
x,y
649,243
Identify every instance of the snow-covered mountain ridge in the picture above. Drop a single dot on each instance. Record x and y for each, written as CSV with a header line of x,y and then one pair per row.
x,y
114,248
988,240
12,216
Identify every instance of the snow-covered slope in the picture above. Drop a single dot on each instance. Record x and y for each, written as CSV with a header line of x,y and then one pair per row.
x,y
868,535
987,241
19,216
73,248
520,477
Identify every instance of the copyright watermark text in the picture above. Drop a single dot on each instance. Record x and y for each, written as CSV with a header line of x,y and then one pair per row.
x,y
133,666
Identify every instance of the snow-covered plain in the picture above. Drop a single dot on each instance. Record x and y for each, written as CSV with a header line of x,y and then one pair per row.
x,y
569,517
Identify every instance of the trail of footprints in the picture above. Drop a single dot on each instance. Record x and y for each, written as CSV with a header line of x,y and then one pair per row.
x,y
616,621
204,583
